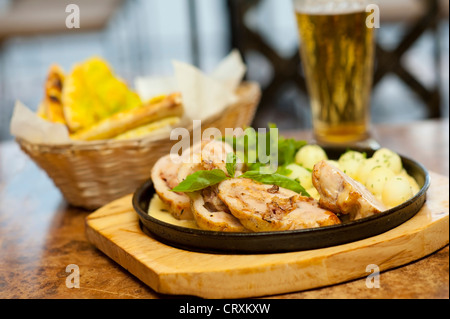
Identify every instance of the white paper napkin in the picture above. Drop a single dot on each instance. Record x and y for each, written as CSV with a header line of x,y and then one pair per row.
x,y
29,126
203,95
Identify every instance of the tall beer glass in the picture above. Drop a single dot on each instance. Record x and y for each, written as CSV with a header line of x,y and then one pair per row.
x,y
337,51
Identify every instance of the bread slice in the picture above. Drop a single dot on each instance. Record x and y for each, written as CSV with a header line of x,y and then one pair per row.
x,y
151,129
122,122
51,107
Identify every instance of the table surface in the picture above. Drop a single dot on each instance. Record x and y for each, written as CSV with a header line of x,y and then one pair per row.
x,y
40,234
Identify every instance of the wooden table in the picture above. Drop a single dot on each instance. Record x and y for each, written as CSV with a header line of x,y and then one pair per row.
x,y
40,235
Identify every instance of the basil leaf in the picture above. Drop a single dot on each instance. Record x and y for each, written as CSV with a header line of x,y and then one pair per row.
x,y
276,179
231,164
283,170
200,180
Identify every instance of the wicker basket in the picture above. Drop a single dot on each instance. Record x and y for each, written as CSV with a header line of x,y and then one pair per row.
x,y
92,174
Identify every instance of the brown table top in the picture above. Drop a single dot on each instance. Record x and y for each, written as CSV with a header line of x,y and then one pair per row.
x,y
40,234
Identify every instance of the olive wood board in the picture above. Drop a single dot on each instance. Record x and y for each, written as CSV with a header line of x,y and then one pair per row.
x,y
115,230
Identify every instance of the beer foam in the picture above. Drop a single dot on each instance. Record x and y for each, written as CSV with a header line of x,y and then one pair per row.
x,y
326,7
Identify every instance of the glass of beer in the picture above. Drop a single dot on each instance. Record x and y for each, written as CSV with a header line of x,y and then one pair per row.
x,y
337,53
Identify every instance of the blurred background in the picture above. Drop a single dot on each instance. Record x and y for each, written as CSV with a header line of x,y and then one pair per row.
x,y
142,37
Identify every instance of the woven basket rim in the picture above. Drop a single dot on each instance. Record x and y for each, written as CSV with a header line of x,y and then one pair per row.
x,y
254,92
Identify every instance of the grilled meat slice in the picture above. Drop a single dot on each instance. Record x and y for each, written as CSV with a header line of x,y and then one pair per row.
x,y
164,175
211,213
262,207
343,195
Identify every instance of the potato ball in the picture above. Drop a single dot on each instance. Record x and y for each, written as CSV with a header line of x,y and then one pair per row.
x,y
309,155
412,181
334,163
389,159
365,169
415,188
314,193
377,178
397,190
301,174
350,162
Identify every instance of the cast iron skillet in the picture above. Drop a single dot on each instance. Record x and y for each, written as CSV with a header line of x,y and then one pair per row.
x,y
282,241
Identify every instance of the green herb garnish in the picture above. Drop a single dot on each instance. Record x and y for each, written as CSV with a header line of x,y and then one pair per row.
x,y
231,164
247,151
200,180
276,179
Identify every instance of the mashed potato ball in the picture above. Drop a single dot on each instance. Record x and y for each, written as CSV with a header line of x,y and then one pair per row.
x,y
389,159
397,190
377,178
412,181
415,188
314,193
309,155
301,174
350,162
365,169
334,163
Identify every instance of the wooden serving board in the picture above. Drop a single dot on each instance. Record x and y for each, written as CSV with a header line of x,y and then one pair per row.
x,y
115,230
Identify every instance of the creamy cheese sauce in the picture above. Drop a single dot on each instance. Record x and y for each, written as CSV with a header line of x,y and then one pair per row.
x,y
159,210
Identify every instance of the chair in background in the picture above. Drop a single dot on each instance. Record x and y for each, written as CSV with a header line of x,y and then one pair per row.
x,y
285,70
420,16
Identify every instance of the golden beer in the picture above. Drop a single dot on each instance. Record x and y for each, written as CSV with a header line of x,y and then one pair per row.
x,y
337,50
